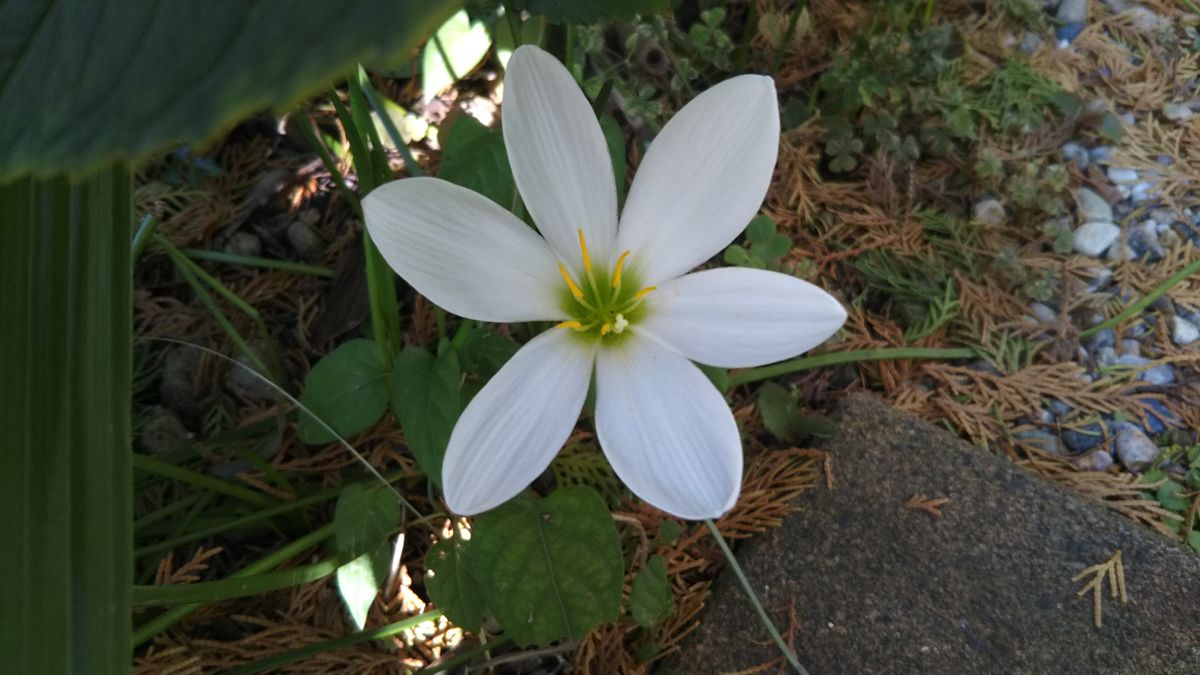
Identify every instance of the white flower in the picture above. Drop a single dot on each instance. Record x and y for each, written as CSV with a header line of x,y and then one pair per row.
x,y
627,307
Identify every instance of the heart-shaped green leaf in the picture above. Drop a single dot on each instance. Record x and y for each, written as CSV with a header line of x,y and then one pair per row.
x,y
650,598
426,400
550,569
348,390
452,585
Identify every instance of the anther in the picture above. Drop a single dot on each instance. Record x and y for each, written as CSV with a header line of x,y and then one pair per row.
x,y
605,329
617,274
570,284
587,260
644,292
573,325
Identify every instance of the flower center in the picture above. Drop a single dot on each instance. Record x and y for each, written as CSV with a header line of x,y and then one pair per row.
x,y
602,306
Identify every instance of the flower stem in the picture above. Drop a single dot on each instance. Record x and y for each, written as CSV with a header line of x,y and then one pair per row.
x,y
762,613
834,358
1136,307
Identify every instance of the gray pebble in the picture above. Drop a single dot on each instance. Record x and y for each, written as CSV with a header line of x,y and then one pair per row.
x,y
1043,313
1144,244
1030,41
1085,438
1093,207
1100,153
179,377
1120,251
1159,375
1072,11
1140,192
1106,357
1073,152
1040,439
989,212
1099,276
1060,409
1093,239
1122,176
1096,460
1104,338
1135,450
304,239
1131,347
243,378
1177,112
163,433
244,243
1183,332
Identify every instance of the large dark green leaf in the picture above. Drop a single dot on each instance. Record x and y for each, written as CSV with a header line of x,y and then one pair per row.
x,y
348,390
650,598
66,510
591,11
83,83
452,584
426,400
364,517
549,569
473,156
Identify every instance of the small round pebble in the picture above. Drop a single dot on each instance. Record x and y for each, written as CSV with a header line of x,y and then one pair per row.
x,y
1096,460
1093,239
1093,207
989,212
1104,338
1043,313
1183,332
163,433
1083,439
1122,176
244,243
1135,450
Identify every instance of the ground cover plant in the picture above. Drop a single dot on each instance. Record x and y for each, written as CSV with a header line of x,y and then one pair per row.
x,y
1001,198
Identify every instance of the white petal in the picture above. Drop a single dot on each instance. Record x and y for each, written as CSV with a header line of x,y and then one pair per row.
x,y
703,178
734,317
666,430
463,252
517,423
558,156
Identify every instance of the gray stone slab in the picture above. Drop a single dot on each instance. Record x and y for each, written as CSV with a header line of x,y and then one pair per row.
x,y
986,588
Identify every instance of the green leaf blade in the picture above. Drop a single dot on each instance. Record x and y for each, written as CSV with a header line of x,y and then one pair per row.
x,y
193,69
550,569
348,390
650,600
452,585
426,397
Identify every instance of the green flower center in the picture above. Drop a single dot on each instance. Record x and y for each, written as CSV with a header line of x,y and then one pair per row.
x,y
602,306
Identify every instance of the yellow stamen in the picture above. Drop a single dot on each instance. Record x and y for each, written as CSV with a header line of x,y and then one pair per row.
x,y
605,329
573,325
587,260
570,284
617,274
644,292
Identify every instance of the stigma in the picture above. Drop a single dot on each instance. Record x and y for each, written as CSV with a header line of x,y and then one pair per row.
x,y
601,305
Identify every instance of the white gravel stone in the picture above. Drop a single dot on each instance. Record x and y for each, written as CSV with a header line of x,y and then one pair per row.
x,y
1043,313
1122,176
1135,451
1072,11
989,212
1093,239
1183,332
1092,207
